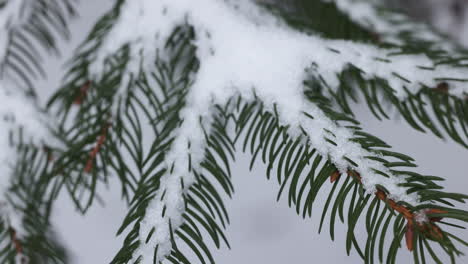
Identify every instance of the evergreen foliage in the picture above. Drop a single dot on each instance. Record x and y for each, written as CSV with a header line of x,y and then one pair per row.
x,y
33,188
107,131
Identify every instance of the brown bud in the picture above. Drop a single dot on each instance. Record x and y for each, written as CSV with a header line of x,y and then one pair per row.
x,y
443,87
409,235
335,176
381,195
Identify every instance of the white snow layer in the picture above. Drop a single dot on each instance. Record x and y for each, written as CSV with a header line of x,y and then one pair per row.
x,y
243,48
16,110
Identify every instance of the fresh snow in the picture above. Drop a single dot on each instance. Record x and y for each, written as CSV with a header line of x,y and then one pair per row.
x,y
244,49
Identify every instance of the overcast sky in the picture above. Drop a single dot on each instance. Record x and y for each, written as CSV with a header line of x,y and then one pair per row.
x,y
261,230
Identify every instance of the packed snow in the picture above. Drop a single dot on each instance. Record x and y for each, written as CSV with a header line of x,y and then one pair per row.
x,y
244,49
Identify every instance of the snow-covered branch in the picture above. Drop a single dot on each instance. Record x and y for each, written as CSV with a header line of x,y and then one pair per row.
x,y
243,49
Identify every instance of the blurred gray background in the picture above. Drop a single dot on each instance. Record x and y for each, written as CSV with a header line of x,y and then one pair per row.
x,y
448,16
262,230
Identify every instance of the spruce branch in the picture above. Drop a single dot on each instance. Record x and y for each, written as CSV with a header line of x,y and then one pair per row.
x,y
301,179
26,26
31,195
174,131
432,107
